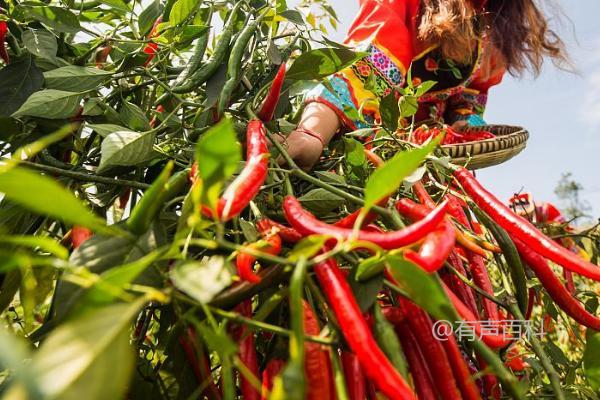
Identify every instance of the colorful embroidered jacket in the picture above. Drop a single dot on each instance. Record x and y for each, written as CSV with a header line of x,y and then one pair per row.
x,y
387,31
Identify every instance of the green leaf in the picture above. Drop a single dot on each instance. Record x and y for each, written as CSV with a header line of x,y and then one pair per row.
x,y
591,359
321,201
133,116
422,288
409,106
218,154
43,243
33,191
181,10
387,178
307,247
319,63
369,267
93,107
355,152
149,16
293,16
126,148
18,81
365,291
218,341
202,280
51,104
106,129
424,87
75,79
57,18
90,355
390,112
40,43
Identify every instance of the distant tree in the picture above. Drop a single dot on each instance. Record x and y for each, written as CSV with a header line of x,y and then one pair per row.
x,y
568,190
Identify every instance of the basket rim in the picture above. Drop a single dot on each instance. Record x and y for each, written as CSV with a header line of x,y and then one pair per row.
x,y
521,131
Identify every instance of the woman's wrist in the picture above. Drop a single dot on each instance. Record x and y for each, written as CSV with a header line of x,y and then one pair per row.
x,y
312,134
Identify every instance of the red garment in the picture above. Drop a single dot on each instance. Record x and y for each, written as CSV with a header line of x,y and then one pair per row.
x,y
387,31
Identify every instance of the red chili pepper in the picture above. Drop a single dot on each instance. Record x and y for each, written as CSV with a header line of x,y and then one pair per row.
x,y
482,280
522,229
555,288
357,334
287,234
432,349
462,290
151,48
245,261
569,283
102,56
273,368
269,105
463,376
356,382
79,234
201,367
247,354
3,52
490,382
514,360
160,109
532,295
419,369
308,224
438,244
319,376
492,340
124,198
247,184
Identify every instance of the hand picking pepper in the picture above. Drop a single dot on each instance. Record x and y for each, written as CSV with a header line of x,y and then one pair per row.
x,y
357,334
3,52
269,105
522,229
308,224
247,184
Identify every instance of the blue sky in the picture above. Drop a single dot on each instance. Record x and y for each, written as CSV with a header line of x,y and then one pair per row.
x,y
561,110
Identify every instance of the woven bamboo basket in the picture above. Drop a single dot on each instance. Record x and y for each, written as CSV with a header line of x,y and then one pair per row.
x,y
509,141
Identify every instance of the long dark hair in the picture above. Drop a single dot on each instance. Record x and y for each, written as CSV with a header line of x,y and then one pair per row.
x,y
518,30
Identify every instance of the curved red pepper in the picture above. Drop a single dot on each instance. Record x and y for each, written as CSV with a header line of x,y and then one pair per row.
x,y
481,278
79,234
269,105
245,261
151,48
319,376
201,368
465,380
419,369
493,341
247,184
522,229
273,368
3,52
247,353
432,349
102,55
460,288
555,288
307,224
357,333
356,382
437,245
287,234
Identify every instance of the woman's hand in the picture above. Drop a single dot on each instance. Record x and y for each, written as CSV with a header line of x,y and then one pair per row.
x,y
302,144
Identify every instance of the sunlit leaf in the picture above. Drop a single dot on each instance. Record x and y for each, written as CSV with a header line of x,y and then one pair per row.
x,y
202,280
51,104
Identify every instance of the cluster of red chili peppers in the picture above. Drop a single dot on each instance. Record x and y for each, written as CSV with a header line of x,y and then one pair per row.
x,y
441,234
451,136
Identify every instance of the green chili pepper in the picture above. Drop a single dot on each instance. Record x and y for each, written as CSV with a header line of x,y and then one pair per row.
x,y
517,270
388,341
164,188
235,62
218,57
